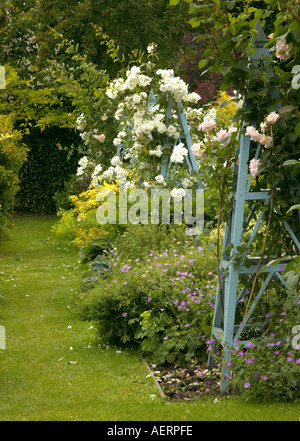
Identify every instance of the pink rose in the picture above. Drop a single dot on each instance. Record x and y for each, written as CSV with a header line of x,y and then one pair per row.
x,y
253,133
100,138
272,118
208,125
254,167
266,141
197,151
223,134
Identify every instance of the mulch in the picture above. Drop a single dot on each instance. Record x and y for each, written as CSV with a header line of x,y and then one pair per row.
x,y
177,383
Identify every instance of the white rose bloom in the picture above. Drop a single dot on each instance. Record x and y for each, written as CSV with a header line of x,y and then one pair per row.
x,y
192,97
121,134
83,161
179,152
187,183
98,169
131,82
135,69
136,98
178,193
80,171
117,141
161,127
171,130
160,179
108,174
115,161
144,80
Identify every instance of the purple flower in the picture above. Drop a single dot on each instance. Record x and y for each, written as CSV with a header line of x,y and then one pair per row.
x,y
165,338
247,385
124,314
289,359
186,325
249,344
264,377
149,299
297,361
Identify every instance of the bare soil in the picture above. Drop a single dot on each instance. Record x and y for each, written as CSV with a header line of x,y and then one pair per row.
x,y
187,383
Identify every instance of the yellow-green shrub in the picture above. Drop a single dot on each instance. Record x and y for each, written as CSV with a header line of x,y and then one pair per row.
x,y
79,223
12,156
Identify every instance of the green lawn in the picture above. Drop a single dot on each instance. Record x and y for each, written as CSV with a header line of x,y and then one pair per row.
x,y
53,369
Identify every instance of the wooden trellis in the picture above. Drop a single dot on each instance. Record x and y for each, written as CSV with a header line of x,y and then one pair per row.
x,y
185,137
225,330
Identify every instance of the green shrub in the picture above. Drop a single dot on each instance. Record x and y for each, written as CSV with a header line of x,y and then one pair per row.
x,y
51,162
12,156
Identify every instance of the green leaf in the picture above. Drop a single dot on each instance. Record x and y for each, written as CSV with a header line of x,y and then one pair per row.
x,y
194,22
203,63
297,129
174,2
290,162
294,207
230,5
194,8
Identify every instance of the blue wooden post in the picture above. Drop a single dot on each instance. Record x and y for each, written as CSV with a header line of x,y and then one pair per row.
x,y
224,328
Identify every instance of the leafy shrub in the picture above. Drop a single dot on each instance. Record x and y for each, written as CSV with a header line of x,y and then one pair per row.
x,y
80,223
51,162
160,301
12,156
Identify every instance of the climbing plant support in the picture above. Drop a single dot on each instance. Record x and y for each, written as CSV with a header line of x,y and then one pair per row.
x,y
239,262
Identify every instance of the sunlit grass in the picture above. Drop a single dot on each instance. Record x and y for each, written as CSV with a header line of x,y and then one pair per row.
x,y
53,368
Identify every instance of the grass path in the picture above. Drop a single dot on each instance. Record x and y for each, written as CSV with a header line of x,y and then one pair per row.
x,y
53,369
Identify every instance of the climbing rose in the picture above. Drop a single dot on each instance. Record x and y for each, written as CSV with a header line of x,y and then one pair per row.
x,y
272,118
197,151
253,133
254,167
208,125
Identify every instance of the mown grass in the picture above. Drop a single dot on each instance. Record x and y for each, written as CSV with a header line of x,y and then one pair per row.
x,y
53,368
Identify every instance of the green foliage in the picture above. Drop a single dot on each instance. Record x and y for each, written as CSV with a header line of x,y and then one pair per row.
x,y
230,43
49,165
12,156
82,85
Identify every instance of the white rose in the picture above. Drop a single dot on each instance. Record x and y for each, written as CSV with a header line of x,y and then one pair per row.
x,y
160,179
178,193
115,161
